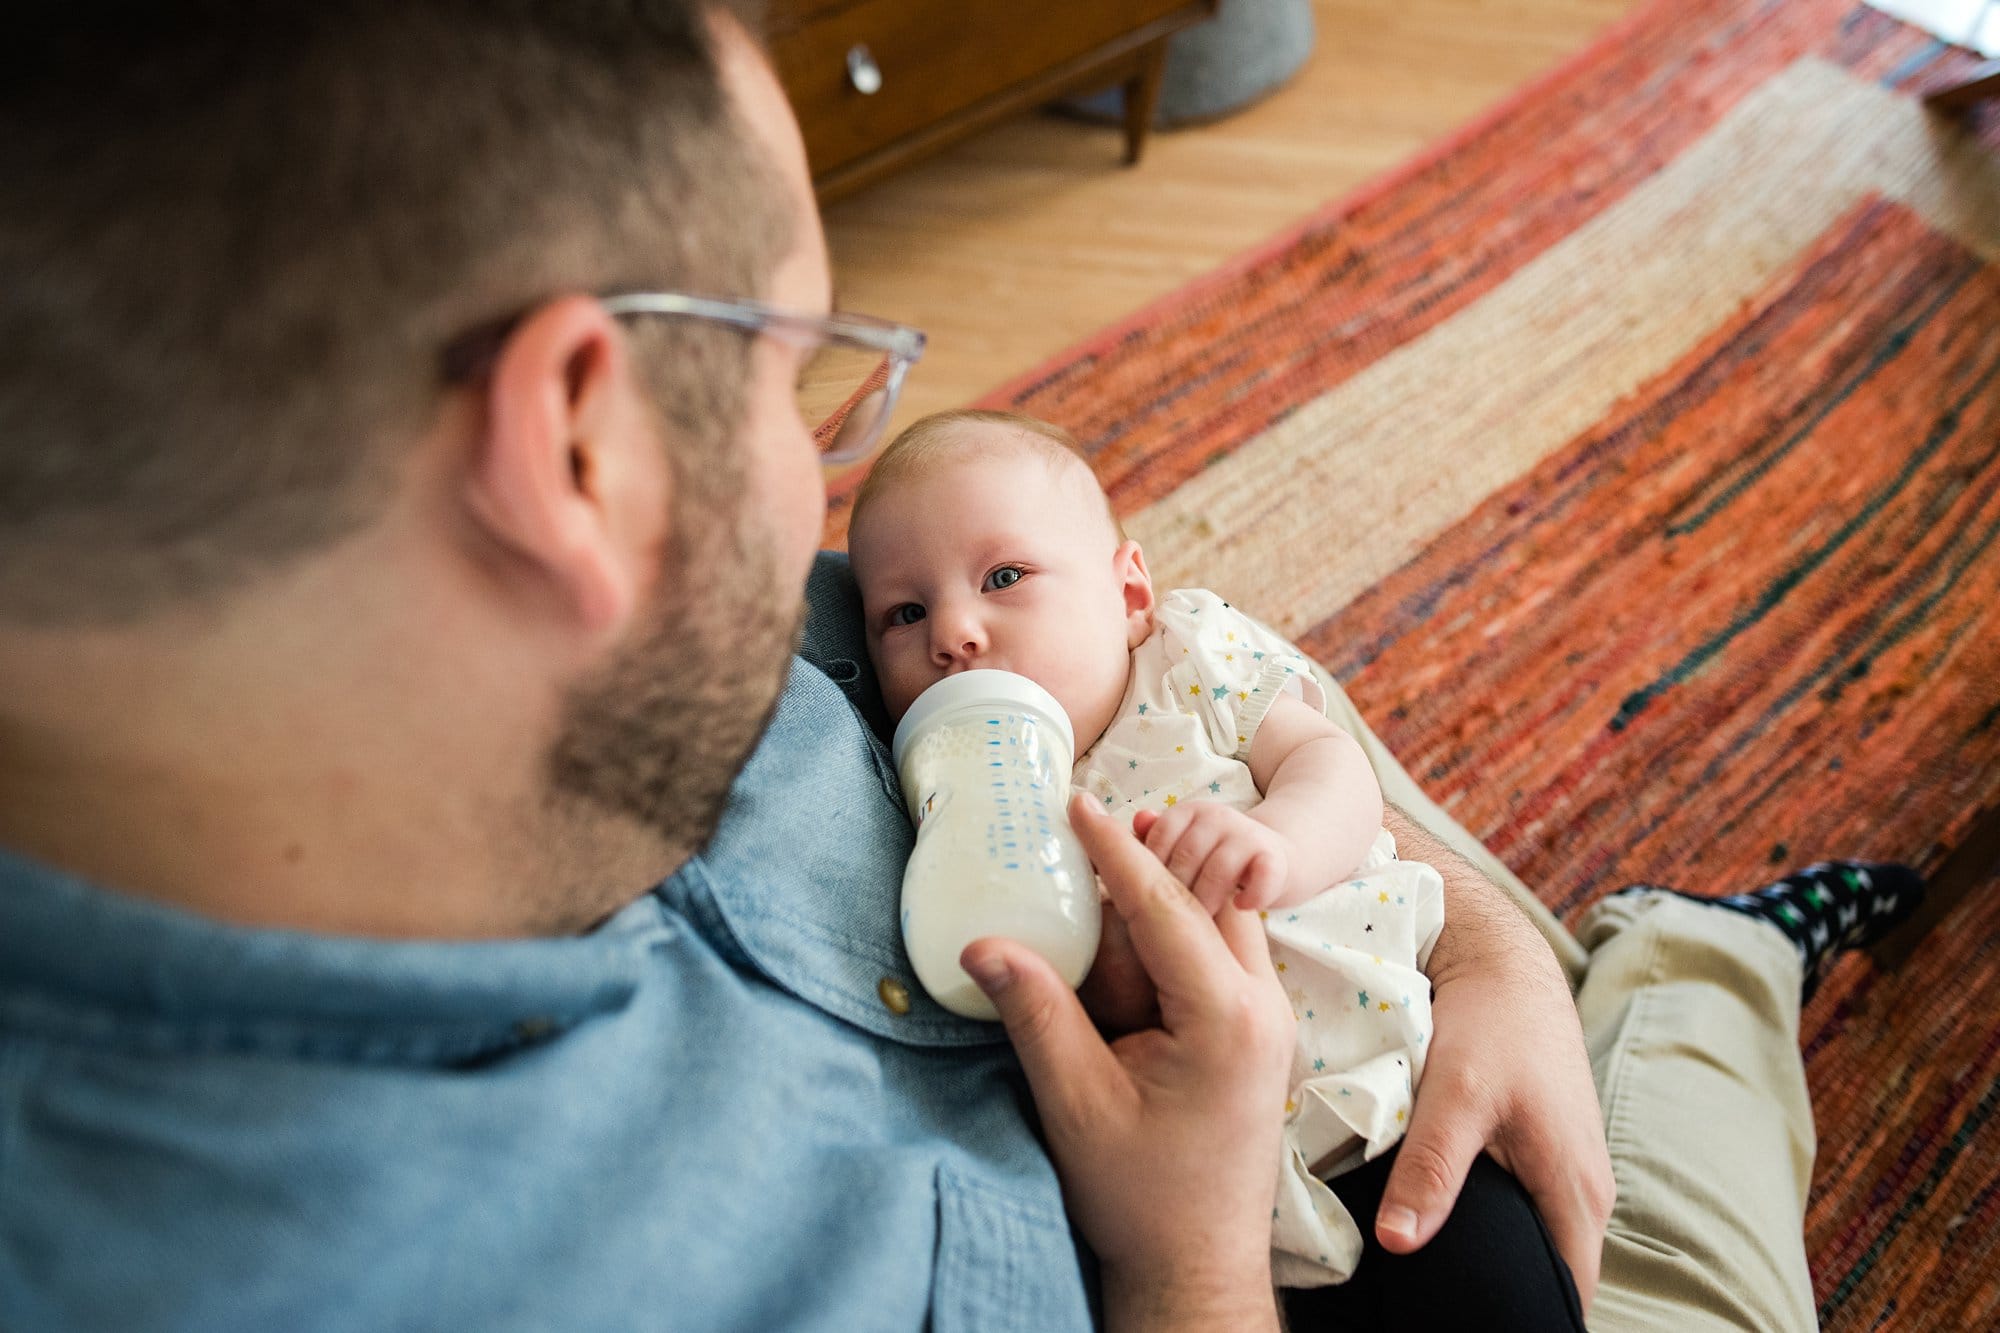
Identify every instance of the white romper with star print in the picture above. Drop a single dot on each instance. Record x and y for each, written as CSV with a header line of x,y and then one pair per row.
x,y
1351,959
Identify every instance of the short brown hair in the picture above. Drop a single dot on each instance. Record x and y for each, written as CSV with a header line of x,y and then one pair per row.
x,y
236,235
938,437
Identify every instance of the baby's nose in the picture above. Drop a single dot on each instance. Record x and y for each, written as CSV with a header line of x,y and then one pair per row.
x,y
956,639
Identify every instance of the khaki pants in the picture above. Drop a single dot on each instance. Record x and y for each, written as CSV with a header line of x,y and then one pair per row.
x,y
1691,1017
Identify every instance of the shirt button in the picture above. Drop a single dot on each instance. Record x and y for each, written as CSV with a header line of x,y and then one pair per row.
x,y
895,995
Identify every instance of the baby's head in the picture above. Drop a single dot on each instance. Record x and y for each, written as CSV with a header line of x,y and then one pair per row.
x,y
982,539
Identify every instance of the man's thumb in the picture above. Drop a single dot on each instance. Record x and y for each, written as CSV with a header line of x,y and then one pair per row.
x,y
1054,1038
1423,1185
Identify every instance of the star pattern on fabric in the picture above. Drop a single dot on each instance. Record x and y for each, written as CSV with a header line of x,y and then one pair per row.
x,y
1143,708
1218,691
1364,999
1215,789
1194,689
1131,763
1383,1005
1173,800
1180,749
1382,897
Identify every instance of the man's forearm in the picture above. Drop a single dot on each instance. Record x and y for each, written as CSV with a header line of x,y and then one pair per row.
x,y
1482,926
1248,1306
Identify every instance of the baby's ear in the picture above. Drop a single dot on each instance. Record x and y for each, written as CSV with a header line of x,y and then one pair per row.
x,y
1128,563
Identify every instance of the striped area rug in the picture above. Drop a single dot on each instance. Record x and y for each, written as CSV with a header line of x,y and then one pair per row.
x,y
1634,458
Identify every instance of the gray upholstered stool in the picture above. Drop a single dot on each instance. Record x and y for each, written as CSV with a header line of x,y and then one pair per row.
x,y
1246,51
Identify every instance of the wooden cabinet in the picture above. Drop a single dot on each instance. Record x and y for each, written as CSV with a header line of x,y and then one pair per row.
x,y
880,83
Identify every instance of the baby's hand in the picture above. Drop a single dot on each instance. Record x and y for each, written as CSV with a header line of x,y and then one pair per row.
x,y
1219,852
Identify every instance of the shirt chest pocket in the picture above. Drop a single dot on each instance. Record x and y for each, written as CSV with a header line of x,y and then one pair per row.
x,y
1003,1262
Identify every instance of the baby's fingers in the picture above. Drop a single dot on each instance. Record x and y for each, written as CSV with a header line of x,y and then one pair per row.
x,y
1162,832
1262,880
1221,875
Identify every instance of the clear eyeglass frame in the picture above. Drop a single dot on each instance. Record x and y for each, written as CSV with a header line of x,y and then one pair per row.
x,y
854,371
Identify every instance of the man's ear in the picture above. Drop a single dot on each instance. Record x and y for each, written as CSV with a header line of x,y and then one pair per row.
x,y
1129,563
566,468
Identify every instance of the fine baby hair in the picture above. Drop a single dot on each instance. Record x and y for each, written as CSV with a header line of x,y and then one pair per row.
x,y
946,437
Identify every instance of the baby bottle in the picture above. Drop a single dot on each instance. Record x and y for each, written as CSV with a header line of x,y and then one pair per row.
x,y
985,759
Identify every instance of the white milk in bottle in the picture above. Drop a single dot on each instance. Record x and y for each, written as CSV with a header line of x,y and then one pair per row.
x,y
985,759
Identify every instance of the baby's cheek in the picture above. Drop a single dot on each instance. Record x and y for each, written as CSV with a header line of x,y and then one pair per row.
x,y
902,682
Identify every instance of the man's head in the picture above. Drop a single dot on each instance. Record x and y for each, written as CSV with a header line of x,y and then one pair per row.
x,y
237,237
238,240
982,539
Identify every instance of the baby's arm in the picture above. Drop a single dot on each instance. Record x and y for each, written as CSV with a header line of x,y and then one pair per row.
x,y
1320,814
1320,795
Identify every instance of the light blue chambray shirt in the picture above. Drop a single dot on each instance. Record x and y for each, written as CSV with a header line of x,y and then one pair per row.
x,y
701,1116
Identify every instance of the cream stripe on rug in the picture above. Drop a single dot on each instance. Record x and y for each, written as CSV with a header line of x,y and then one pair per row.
x,y
1548,353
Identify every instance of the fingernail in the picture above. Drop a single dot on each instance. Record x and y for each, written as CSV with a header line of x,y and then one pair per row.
x,y
1397,1220
991,972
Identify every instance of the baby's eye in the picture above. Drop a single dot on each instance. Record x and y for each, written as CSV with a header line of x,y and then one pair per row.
x,y
909,613
1005,577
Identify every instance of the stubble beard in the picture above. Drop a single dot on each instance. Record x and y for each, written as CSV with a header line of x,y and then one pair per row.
x,y
650,744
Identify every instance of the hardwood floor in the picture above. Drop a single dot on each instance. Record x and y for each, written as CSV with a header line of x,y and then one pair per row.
x,y
1021,241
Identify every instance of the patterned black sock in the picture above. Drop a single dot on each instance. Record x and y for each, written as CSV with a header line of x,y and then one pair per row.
x,y
1825,908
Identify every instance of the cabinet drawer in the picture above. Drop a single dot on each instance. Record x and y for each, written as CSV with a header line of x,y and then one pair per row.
x,y
936,58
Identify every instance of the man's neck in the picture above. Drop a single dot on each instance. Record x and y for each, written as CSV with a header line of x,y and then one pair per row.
x,y
229,791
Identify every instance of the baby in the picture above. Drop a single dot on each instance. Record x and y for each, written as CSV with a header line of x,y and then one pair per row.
x,y
982,539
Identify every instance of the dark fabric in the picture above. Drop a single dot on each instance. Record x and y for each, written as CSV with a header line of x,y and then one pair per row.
x,y
1492,1267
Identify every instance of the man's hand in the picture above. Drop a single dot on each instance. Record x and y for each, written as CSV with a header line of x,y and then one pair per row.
x,y
1222,854
1167,1140
1202,844
1507,1072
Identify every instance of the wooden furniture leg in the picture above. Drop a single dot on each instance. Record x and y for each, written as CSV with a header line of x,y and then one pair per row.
x,y
1983,83
1142,96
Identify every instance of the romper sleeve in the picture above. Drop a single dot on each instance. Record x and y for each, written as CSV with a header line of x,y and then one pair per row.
x,y
1227,669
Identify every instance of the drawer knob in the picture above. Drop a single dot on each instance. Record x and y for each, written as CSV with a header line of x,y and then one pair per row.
x,y
862,71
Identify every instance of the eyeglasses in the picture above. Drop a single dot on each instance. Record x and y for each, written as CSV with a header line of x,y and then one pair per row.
x,y
847,388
